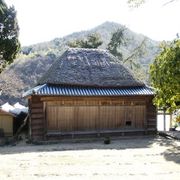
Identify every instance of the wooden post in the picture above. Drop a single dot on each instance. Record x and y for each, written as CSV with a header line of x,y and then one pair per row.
x,y
164,115
170,120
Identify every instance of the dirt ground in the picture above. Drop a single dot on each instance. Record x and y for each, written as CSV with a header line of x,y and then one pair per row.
x,y
138,158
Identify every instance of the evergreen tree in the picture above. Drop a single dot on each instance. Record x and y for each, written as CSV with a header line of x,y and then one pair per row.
x,y
9,29
116,41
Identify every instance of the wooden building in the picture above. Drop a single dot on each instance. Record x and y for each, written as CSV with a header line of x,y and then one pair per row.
x,y
6,122
88,92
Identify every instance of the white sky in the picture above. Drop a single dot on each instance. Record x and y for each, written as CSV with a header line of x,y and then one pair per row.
x,y
44,20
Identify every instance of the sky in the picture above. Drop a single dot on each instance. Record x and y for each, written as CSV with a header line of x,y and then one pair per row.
x,y
44,20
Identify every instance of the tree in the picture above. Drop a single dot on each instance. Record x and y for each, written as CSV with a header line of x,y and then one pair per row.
x,y
9,30
116,41
92,41
165,76
131,60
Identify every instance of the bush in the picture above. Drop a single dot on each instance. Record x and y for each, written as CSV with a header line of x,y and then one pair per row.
x,y
177,119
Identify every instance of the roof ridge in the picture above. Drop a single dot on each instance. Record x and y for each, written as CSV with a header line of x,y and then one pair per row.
x,y
88,49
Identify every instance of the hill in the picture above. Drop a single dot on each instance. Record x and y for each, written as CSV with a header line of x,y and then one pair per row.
x,y
36,59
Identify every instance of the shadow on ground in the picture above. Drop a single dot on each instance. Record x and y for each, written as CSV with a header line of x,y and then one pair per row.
x,y
80,144
171,154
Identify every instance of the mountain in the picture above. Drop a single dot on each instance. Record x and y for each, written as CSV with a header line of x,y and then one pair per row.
x,y
36,59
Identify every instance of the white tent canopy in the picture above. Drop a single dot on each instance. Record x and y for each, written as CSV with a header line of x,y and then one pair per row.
x,y
20,107
7,107
17,108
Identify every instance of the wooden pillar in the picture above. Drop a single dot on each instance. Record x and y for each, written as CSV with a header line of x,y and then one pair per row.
x,y
164,118
170,120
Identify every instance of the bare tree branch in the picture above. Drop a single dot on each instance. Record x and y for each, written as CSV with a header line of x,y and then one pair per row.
x,y
168,2
135,51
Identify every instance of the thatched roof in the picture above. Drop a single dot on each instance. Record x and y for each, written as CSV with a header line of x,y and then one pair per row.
x,y
89,67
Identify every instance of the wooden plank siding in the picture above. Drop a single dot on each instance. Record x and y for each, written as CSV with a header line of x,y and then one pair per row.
x,y
151,116
66,114
6,123
37,118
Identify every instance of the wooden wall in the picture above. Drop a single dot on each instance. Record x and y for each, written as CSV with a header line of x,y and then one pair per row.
x,y
37,118
151,115
79,118
78,113
6,123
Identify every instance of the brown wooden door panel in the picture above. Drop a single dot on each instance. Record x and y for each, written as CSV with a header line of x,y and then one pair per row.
x,y
70,118
135,115
120,117
139,116
60,118
51,121
109,117
80,118
65,118
87,117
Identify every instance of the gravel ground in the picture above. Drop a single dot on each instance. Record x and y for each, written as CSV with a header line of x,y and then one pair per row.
x,y
132,158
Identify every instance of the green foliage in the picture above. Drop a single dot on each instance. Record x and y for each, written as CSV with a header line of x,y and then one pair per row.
x,y
165,76
132,60
116,41
9,29
92,41
2,6
177,119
